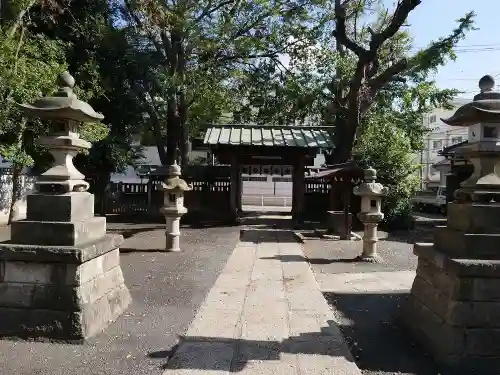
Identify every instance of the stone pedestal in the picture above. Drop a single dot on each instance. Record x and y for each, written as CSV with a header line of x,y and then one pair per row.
x,y
60,274
454,306
336,223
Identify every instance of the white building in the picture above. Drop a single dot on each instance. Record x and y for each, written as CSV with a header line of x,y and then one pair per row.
x,y
440,136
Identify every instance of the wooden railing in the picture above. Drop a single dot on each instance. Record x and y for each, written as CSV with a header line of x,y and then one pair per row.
x,y
147,197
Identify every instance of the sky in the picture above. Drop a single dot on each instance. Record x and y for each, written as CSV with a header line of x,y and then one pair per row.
x,y
478,54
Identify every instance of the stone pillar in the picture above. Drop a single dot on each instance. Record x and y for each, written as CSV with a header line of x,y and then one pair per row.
x,y
371,193
453,307
61,276
173,207
234,188
298,191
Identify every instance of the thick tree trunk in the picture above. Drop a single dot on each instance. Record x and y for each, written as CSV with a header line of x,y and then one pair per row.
x,y
344,142
17,189
160,143
173,131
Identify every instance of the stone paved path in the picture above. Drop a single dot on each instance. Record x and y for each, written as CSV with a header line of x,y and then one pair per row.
x,y
264,315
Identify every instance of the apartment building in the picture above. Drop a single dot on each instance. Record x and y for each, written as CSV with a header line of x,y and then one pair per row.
x,y
440,136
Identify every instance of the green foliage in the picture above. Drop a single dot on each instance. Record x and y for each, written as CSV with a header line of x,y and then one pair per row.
x,y
29,64
389,150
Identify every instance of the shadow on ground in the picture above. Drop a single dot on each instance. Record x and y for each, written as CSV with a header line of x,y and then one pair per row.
x,y
226,354
378,343
267,235
300,258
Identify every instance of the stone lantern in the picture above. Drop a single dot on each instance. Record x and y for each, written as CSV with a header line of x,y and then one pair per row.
x,y
61,276
371,194
173,206
453,306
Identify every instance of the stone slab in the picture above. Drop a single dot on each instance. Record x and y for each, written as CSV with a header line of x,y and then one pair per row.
x,y
79,254
57,296
47,233
458,244
75,206
366,282
474,218
460,267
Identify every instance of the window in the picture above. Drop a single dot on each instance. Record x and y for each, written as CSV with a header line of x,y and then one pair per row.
x,y
432,119
436,145
456,140
490,132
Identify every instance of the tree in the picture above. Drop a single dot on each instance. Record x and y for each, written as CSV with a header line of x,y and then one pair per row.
x,y
381,59
29,65
104,61
30,61
202,44
366,83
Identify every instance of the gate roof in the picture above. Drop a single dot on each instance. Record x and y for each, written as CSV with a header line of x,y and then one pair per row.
x,y
270,136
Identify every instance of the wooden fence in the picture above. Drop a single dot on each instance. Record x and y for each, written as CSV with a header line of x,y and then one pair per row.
x,y
208,198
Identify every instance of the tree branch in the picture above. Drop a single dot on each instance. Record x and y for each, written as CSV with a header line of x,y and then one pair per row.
x,y
340,32
210,10
398,18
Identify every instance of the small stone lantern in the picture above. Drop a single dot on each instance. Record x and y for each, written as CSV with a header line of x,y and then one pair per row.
x,y
173,206
371,194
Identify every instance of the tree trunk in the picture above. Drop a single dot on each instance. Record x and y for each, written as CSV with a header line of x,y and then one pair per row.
x,y
184,139
17,189
344,142
159,140
173,131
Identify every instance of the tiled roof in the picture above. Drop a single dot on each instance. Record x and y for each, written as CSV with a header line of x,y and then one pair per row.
x,y
277,136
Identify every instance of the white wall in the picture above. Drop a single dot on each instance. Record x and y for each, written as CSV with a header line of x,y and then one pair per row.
x,y
150,157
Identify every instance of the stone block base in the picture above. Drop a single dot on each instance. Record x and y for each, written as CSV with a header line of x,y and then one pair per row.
x,y
57,233
71,294
454,311
336,222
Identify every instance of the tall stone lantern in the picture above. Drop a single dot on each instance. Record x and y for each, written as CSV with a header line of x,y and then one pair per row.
x,y
453,308
60,274
173,206
371,194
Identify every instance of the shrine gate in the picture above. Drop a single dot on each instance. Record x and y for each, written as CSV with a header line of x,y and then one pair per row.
x,y
265,149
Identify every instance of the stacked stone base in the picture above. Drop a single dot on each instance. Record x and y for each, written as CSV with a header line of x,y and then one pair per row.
x,y
454,310
61,292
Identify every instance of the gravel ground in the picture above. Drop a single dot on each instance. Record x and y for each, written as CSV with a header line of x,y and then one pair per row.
x,y
367,321
378,344
166,289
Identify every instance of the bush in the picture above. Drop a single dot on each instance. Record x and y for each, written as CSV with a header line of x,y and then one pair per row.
x,y
389,151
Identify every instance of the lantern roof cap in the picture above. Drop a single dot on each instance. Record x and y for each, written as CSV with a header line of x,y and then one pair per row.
x,y
485,106
63,105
